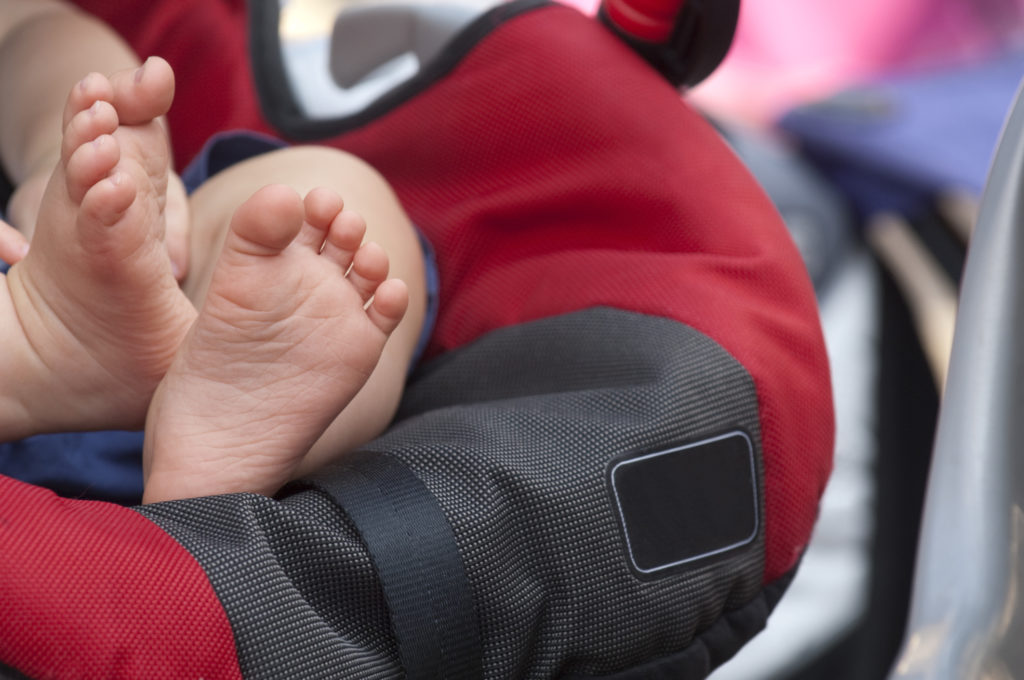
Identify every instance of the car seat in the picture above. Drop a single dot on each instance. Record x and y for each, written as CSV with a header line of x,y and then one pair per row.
x,y
610,462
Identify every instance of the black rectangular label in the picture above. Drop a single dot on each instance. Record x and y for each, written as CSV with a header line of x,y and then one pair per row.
x,y
688,503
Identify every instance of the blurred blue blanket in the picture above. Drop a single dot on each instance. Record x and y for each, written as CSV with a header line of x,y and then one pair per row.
x,y
896,143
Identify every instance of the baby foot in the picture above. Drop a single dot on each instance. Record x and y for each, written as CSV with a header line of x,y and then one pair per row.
x,y
99,309
295,320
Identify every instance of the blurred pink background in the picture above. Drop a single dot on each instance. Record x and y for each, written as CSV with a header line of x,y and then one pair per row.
x,y
791,51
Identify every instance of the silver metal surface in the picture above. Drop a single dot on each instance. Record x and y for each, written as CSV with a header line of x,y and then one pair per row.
x,y
965,619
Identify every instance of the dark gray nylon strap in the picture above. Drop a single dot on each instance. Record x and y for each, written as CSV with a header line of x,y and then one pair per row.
x,y
414,551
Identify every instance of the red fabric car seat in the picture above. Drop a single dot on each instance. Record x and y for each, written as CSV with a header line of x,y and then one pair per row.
x,y
610,464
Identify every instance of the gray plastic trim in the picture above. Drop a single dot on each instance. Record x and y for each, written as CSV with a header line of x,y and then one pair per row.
x,y
371,49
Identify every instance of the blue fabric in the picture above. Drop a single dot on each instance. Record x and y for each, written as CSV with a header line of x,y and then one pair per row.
x,y
108,465
893,145
224,150
97,465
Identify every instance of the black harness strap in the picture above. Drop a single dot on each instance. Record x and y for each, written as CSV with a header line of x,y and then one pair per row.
x,y
417,559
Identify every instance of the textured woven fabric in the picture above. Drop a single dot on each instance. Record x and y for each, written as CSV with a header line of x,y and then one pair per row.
x,y
553,170
715,646
295,581
522,474
94,591
513,435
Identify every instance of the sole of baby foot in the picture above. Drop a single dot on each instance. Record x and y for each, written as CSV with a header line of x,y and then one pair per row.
x,y
96,301
296,317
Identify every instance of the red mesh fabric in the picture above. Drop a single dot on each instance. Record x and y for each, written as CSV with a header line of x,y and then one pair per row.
x,y
93,590
553,170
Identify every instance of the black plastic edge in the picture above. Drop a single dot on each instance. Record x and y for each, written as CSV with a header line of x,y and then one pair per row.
x,y
701,38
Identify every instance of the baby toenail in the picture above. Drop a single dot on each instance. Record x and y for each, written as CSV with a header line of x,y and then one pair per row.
x,y
138,73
